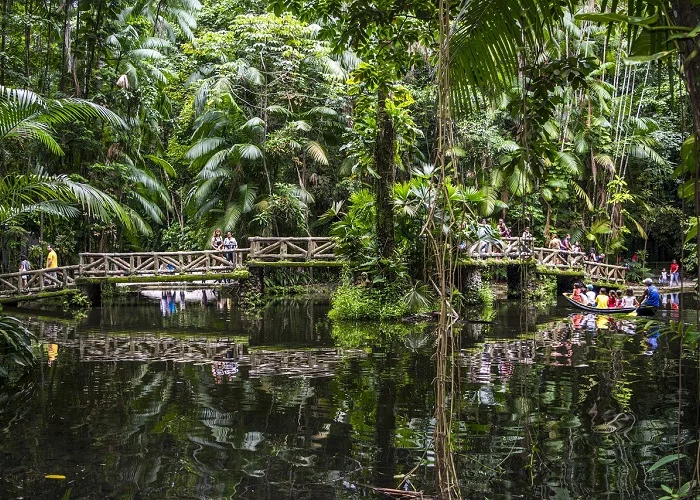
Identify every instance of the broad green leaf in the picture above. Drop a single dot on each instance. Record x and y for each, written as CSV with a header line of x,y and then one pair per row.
x,y
647,59
665,460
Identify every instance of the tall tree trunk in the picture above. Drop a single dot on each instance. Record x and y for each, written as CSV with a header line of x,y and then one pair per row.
x,y
27,40
3,40
384,165
46,84
685,13
65,49
92,47
76,51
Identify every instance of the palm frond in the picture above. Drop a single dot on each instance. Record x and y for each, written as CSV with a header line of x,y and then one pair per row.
x,y
165,165
487,39
204,147
317,152
249,152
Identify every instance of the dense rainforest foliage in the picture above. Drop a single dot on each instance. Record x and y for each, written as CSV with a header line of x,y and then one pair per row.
x,y
292,118
395,126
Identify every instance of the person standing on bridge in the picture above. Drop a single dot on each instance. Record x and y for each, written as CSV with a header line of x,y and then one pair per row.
x,y
217,242
51,263
555,242
566,243
503,229
24,266
482,232
230,244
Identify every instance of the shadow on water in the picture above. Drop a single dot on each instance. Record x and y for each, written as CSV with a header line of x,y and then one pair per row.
x,y
185,395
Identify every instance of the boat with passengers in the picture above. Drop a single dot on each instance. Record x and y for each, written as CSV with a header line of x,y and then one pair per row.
x,y
642,310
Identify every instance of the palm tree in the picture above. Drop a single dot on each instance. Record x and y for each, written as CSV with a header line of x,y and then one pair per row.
x,y
24,116
134,54
163,14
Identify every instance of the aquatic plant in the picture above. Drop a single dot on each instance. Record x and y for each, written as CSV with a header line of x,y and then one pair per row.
x,y
16,355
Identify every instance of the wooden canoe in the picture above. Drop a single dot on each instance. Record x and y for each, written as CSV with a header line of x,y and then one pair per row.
x,y
641,310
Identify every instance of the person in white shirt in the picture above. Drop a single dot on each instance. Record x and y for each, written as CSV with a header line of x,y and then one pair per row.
x,y
590,294
230,244
629,300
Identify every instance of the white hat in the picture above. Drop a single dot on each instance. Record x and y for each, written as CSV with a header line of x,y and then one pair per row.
x,y
647,281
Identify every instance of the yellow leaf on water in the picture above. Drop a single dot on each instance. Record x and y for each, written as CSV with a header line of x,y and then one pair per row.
x,y
54,476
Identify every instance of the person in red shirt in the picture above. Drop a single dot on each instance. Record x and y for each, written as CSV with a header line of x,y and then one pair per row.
x,y
675,274
612,299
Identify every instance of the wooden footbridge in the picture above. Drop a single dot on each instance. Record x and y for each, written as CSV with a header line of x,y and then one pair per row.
x,y
145,267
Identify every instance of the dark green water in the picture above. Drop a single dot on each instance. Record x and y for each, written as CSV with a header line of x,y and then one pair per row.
x,y
146,398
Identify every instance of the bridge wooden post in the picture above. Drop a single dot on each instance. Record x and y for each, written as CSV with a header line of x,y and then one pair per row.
x,y
311,250
283,249
254,247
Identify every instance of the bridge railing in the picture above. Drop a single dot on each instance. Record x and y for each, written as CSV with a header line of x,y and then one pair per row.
x,y
291,248
159,263
513,248
560,259
605,272
38,280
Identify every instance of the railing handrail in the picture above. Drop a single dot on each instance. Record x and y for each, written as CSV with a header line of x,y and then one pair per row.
x,y
287,238
594,263
40,270
168,253
552,250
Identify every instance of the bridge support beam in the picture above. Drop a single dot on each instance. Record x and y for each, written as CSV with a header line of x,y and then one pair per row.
x,y
93,291
253,285
520,277
470,282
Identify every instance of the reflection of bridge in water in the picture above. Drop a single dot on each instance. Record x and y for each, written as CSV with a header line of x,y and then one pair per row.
x,y
100,347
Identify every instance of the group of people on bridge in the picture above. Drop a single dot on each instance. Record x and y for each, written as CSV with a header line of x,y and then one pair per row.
x,y
25,266
227,244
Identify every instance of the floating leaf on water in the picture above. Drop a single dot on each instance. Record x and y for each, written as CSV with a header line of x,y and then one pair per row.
x,y
54,476
667,459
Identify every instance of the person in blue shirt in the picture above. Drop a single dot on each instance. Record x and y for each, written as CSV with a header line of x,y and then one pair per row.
x,y
650,297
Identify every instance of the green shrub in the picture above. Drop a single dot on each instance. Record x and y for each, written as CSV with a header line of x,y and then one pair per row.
x,y
636,272
544,288
351,302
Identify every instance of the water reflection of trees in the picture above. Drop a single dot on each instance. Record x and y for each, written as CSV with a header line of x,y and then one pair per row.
x,y
572,407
